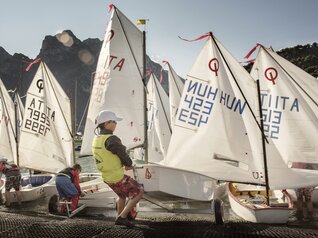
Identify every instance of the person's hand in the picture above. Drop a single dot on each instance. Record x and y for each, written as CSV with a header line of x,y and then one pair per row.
x,y
128,167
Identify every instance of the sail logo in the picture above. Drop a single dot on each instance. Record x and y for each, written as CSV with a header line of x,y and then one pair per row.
x,y
109,36
214,65
273,107
39,117
271,74
40,85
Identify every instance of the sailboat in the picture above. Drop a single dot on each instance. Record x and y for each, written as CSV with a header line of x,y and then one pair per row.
x,y
45,141
175,91
8,145
7,129
302,83
158,125
288,102
119,85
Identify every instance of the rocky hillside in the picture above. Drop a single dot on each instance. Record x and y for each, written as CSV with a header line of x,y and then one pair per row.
x,y
73,63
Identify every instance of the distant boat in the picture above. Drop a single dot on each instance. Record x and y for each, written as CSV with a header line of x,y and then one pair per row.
x,y
159,124
175,91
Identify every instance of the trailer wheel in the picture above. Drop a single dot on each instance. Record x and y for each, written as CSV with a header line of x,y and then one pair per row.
x,y
218,211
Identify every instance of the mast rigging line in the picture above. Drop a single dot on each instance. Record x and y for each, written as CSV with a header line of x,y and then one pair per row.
x,y
238,86
58,102
132,53
165,113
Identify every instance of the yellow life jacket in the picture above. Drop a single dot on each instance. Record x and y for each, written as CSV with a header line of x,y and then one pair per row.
x,y
107,163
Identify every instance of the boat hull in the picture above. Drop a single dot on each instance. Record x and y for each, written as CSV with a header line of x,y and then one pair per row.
x,y
258,213
177,182
32,188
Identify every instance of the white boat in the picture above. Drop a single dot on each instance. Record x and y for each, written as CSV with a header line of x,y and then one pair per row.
x,y
288,99
119,85
250,204
45,142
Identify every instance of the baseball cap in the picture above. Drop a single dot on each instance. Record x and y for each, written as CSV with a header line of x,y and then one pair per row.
x,y
106,115
3,159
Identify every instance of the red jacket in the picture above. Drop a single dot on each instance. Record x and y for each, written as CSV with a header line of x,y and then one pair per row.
x,y
76,180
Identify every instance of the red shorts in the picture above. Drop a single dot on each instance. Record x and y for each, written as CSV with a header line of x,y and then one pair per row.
x,y
304,192
127,187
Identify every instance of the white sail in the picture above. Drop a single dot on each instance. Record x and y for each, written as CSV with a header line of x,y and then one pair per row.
x,y
290,106
119,71
155,153
46,142
19,107
158,117
175,91
214,123
8,146
289,99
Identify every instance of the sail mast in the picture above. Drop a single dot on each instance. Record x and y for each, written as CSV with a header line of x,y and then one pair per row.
x,y
16,130
263,142
145,95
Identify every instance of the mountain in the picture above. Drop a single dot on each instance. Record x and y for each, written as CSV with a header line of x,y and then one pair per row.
x,y
304,56
73,63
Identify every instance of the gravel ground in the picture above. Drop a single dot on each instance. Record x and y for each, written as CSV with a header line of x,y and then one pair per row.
x,y
33,220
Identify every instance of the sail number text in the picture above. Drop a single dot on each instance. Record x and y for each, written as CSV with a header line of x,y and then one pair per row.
x,y
39,118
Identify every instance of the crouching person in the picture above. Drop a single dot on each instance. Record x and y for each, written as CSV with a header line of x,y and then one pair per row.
x,y
13,180
111,158
67,185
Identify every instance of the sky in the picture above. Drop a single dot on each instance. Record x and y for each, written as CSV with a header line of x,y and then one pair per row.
x,y
238,24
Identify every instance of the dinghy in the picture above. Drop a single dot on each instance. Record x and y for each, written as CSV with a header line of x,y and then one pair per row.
x,y
12,114
249,202
45,142
288,106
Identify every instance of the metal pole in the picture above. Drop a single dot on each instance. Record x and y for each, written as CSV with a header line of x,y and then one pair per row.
x,y
145,96
263,142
